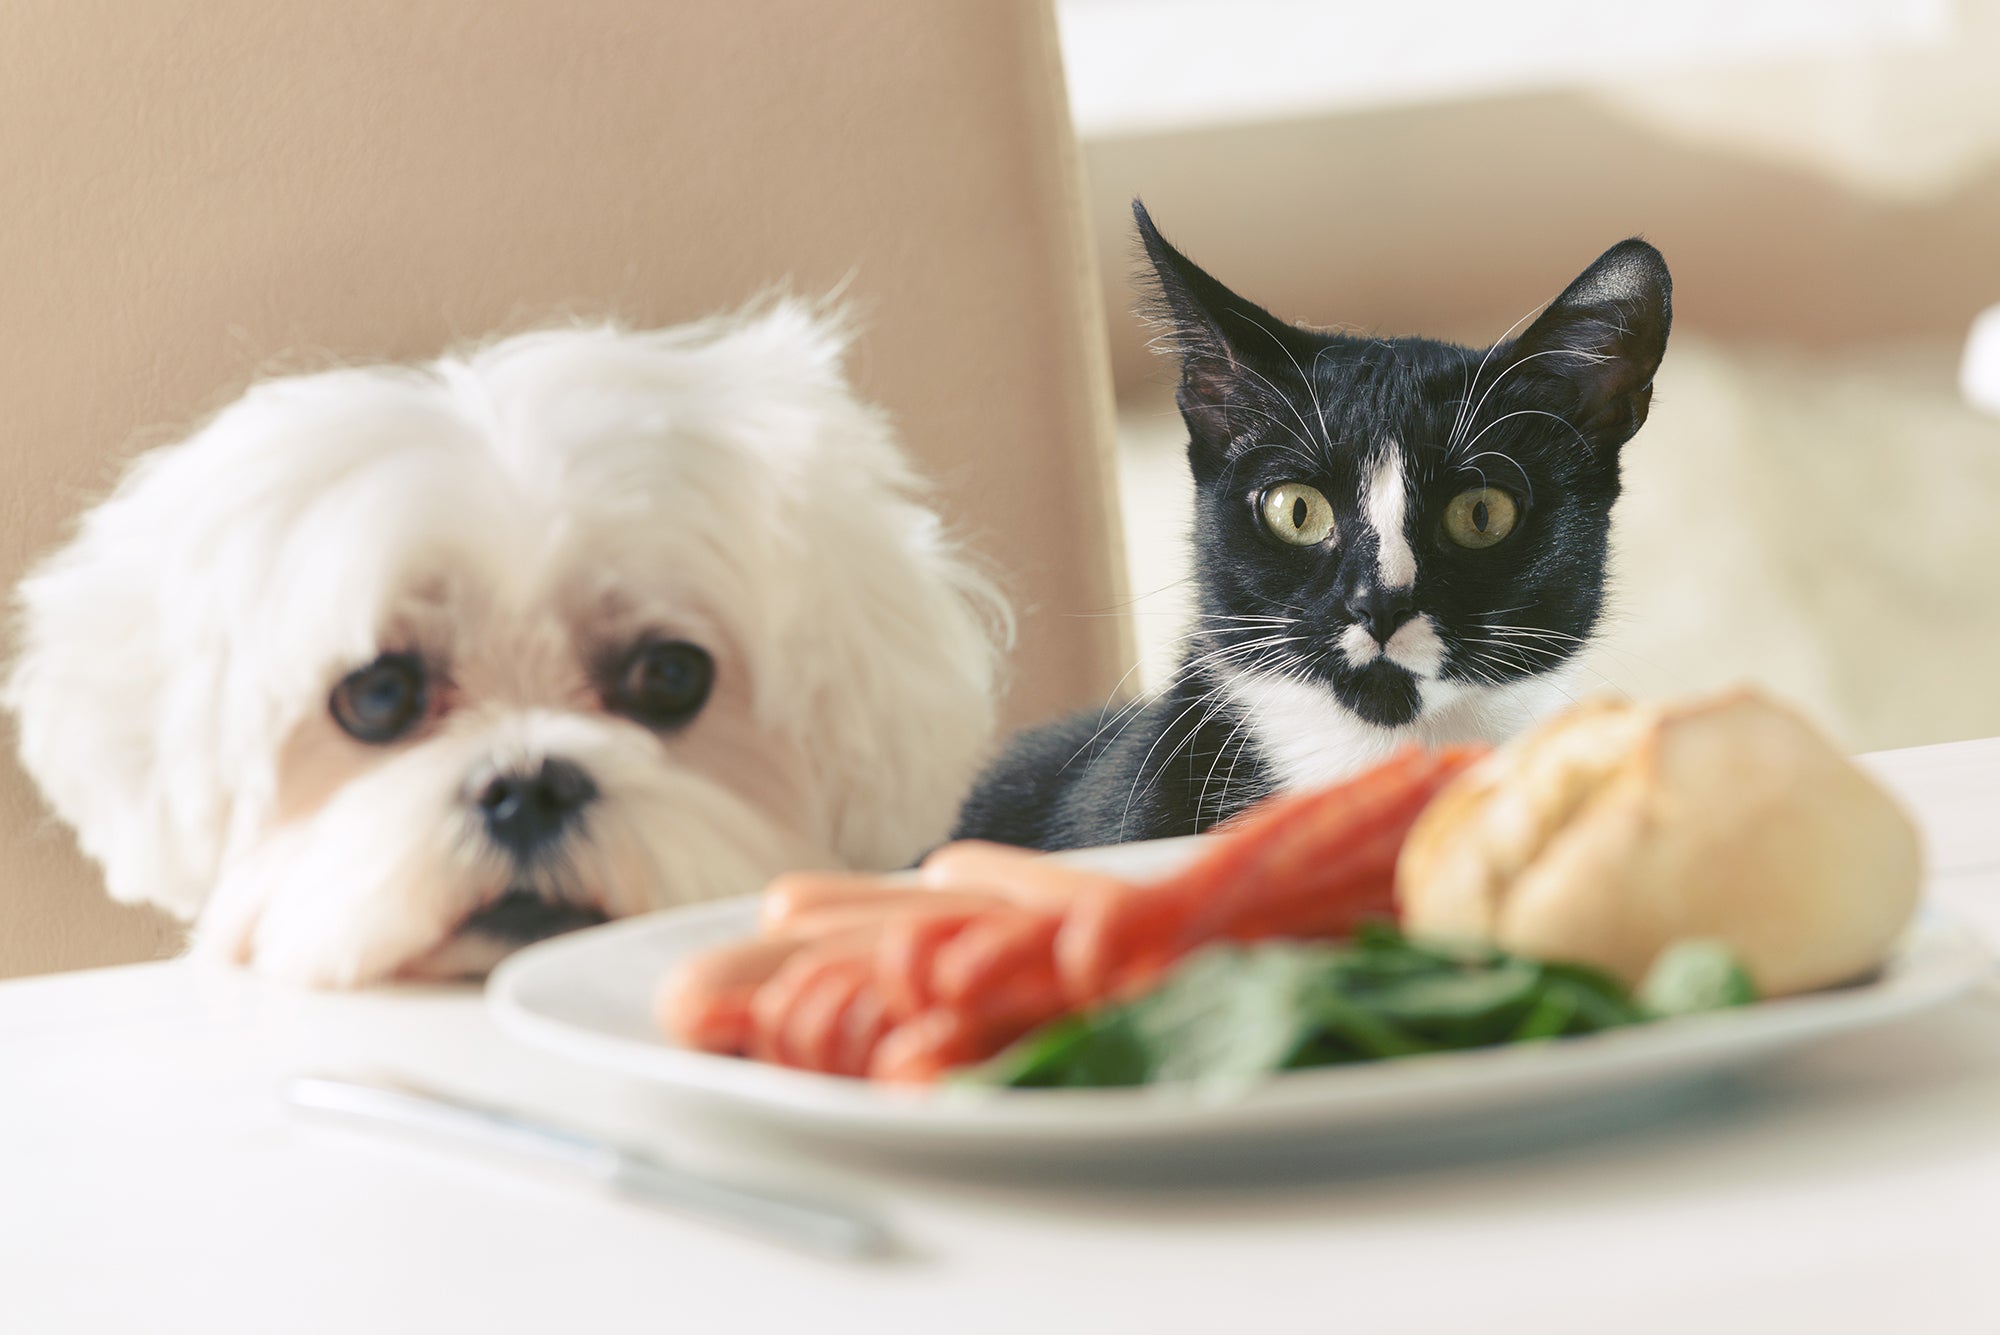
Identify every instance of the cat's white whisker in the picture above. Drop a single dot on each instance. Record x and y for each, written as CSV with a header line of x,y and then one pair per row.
x,y
1107,716
1312,390
1528,412
1527,483
1139,775
1465,418
1530,632
1520,657
1534,643
1521,644
1536,632
1571,655
1302,455
1229,777
1119,609
1201,798
1514,366
1287,401
1245,619
1504,643
1194,667
1464,422
1472,668
1138,704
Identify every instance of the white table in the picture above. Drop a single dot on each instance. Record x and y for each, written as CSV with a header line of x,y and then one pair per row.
x,y
150,1183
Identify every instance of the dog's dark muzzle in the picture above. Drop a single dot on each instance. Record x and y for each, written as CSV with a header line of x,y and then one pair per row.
x,y
520,916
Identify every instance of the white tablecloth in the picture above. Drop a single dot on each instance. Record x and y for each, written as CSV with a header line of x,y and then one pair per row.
x,y
149,1182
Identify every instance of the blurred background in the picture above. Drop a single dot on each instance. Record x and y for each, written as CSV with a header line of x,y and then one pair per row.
x,y
1813,502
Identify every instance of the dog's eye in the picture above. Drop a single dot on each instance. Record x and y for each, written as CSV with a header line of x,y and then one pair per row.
x,y
663,682
382,701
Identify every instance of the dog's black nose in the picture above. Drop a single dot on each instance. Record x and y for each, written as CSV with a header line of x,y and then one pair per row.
x,y
524,812
1382,610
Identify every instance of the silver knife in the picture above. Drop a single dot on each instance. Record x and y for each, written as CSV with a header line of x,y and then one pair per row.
x,y
811,1226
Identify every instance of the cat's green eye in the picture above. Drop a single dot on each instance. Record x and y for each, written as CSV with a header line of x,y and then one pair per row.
x,y
1296,513
1480,517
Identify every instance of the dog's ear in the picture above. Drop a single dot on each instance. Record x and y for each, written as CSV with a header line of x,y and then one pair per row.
x,y
114,688
891,637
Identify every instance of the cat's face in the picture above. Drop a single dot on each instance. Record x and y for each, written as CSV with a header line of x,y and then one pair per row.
x,y
1404,522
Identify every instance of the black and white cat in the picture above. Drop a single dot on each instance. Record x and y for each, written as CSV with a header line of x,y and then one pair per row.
x,y
1395,540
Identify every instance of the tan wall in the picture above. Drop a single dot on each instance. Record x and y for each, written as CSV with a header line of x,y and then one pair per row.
x,y
1455,220
195,190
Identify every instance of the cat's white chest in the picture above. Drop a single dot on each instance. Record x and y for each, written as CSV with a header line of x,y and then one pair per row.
x,y
1309,739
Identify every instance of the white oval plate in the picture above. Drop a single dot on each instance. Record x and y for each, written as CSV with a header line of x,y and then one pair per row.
x,y
589,996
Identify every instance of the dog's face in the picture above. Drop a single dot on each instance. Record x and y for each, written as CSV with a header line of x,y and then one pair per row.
x,y
386,671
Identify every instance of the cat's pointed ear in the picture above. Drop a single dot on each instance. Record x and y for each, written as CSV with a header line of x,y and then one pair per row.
x,y
1599,343
1232,353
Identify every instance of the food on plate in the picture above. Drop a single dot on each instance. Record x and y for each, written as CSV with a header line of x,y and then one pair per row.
x,y
901,981
1621,863
1239,1012
1618,829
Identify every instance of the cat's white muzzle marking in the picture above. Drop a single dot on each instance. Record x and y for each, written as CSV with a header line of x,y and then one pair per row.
x,y
1358,647
1415,647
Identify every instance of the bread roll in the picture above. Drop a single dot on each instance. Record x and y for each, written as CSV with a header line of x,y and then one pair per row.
x,y
1617,829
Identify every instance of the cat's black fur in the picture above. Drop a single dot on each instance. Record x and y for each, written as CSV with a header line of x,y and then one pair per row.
x,y
1540,416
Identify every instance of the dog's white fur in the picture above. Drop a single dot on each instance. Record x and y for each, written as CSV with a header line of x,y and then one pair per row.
x,y
511,514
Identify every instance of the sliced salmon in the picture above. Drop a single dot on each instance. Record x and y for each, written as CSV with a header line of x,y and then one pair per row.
x,y
705,1003
899,981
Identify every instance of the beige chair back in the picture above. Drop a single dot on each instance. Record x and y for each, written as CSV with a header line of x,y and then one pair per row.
x,y
198,193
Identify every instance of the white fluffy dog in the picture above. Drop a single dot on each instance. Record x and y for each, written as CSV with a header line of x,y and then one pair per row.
x,y
385,671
